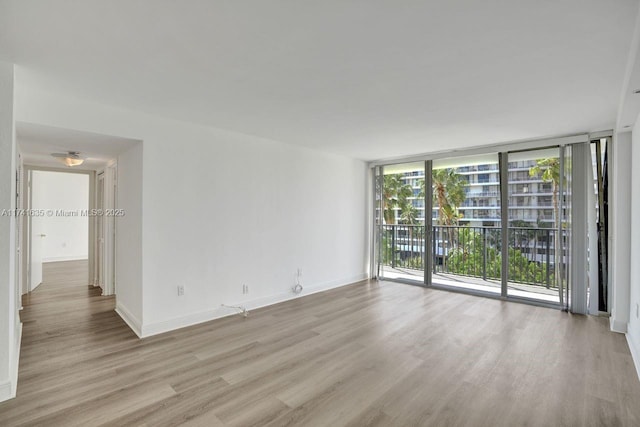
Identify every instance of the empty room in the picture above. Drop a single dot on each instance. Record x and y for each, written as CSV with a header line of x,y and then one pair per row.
x,y
330,213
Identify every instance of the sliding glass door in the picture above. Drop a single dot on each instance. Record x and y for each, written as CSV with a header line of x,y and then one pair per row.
x,y
466,223
497,223
537,225
401,222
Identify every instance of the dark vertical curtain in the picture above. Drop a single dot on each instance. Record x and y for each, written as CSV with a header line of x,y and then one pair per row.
x,y
603,232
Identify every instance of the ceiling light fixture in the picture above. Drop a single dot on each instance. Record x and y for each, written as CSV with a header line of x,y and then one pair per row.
x,y
72,158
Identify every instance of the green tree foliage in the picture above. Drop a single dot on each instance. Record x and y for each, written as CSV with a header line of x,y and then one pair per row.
x,y
549,171
467,258
395,195
408,213
448,194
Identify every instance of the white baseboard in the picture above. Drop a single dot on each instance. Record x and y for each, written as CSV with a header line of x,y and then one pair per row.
x,y
65,258
184,321
617,325
16,361
219,312
9,388
129,319
635,352
6,391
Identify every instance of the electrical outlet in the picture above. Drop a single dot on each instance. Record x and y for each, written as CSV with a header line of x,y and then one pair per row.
x,y
180,290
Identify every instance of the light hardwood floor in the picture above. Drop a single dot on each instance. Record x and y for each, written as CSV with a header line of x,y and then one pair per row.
x,y
369,354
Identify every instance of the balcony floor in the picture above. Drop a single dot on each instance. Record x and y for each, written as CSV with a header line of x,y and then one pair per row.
x,y
521,290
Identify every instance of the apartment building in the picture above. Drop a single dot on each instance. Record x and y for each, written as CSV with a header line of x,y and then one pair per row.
x,y
530,201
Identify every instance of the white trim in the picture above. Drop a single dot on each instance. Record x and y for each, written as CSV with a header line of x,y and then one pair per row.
x,y
9,388
129,319
16,362
617,325
65,258
218,312
95,229
6,391
184,321
92,229
110,182
601,134
635,352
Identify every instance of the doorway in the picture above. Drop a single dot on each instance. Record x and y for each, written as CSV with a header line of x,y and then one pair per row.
x,y
70,225
59,227
539,224
105,215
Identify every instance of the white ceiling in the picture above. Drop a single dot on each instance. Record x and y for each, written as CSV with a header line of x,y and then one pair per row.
x,y
38,142
368,79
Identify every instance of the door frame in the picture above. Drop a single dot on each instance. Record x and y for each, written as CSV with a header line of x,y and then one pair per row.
x,y
98,278
105,261
27,173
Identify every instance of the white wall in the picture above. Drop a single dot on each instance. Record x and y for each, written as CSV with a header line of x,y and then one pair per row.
x,y
633,330
619,237
9,320
129,255
67,237
245,211
221,209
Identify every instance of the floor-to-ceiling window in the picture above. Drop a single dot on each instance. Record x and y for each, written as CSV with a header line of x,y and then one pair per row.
x,y
401,221
536,236
493,223
466,223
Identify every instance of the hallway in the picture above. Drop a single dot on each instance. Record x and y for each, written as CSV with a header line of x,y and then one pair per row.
x,y
66,323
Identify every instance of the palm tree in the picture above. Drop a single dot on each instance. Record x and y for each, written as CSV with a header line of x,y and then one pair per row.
x,y
395,193
549,171
448,193
409,216
408,213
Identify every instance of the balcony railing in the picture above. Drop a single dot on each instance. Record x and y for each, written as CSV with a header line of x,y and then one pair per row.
x,y
473,251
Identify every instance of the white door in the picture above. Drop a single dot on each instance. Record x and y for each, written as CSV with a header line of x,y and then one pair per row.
x,y
19,226
37,236
100,225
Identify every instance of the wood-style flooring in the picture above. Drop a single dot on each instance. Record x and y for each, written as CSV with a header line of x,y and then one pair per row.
x,y
368,354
